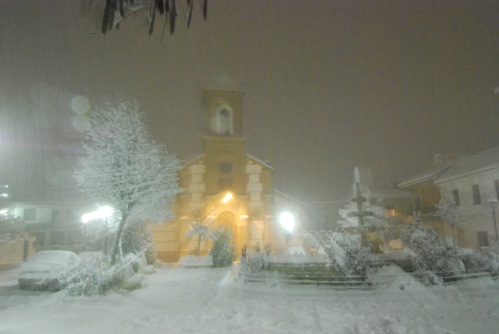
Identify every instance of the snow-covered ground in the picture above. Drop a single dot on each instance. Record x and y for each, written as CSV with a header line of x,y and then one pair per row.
x,y
205,300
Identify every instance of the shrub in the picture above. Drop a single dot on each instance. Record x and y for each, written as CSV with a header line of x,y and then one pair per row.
x,y
90,276
347,255
223,250
137,239
430,254
254,262
483,260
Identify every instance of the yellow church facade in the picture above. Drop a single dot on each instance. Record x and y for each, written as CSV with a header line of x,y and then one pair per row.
x,y
224,187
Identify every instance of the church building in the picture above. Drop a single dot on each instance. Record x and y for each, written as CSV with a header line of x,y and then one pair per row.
x,y
224,187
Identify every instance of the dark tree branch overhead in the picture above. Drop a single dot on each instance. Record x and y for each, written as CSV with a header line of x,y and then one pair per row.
x,y
116,10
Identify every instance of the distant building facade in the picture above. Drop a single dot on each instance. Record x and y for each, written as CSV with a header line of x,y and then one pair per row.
x,y
474,182
54,226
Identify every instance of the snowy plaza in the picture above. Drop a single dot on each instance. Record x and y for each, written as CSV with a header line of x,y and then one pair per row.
x,y
207,300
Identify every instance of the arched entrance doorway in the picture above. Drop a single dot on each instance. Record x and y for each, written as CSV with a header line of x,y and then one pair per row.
x,y
227,221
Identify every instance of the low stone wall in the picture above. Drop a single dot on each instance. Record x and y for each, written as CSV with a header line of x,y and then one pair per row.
x,y
15,252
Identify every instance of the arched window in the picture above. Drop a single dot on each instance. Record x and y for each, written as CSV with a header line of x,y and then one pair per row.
x,y
224,120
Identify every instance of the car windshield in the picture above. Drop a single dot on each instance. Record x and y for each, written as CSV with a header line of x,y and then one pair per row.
x,y
51,257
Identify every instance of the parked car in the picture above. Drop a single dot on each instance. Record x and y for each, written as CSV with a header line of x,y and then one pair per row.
x,y
42,271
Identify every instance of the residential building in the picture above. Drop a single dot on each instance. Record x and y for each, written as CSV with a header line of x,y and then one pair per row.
x,y
54,226
474,182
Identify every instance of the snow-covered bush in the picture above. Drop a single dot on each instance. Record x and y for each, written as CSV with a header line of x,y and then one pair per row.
x,y
94,275
253,262
430,254
428,277
223,250
491,259
131,271
347,255
483,260
137,239
90,276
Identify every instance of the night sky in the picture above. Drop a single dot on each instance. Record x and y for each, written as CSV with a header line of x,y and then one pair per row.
x,y
329,85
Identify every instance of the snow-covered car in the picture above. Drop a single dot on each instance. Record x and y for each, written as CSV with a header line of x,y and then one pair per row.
x,y
43,270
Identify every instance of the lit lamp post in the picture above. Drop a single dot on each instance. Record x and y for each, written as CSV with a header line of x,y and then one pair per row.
x,y
4,193
287,222
493,204
103,212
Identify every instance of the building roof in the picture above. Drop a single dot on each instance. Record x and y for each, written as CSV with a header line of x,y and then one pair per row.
x,y
428,175
472,164
462,166
388,192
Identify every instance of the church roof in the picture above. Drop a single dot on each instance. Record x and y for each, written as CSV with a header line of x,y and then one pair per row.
x,y
261,162
255,159
190,162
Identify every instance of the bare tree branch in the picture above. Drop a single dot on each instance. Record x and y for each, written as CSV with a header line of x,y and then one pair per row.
x,y
117,10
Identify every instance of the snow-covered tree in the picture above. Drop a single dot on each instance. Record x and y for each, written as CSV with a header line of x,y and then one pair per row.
x,y
447,210
124,168
11,227
201,227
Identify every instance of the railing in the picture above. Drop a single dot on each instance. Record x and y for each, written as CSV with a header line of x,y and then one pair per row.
x,y
454,278
334,280
330,280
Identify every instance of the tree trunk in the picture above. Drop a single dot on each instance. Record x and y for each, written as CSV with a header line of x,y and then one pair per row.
x,y
117,239
199,244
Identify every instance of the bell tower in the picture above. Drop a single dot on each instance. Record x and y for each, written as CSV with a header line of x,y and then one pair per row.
x,y
224,146
224,112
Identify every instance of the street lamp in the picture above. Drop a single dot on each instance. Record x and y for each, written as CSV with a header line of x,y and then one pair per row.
x,y
493,204
287,222
228,196
4,193
103,212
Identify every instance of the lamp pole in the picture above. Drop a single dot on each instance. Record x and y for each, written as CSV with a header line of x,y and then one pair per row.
x,y
85,236
493,204
288,223
105,239
103,212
